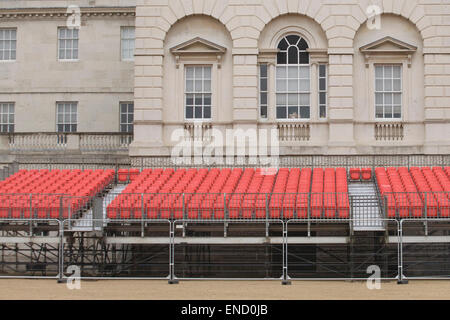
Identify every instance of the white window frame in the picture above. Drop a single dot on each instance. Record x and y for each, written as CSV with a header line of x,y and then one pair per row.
x,y
126,39
128,113
66,40
262,92
319,91
11,51
391,92
299,92
7,112
203,93
64,121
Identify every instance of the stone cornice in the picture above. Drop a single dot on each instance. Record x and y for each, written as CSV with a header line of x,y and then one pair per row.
x,y
28,13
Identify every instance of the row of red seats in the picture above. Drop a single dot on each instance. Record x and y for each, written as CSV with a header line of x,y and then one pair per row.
x,y
278,193
342,199
246,193
408,193
235,202
437,192
125,175
364,174
49,194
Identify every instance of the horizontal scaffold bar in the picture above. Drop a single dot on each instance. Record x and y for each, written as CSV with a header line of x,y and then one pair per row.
x,y
227,240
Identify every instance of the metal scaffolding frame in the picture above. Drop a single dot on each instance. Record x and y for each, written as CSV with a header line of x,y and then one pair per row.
x,y
114,253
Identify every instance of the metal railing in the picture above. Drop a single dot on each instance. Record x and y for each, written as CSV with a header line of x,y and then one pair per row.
x,y
416,205
310,161
233,206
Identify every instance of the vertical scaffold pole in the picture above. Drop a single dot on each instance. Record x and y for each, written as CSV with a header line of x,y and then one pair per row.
x,y
285,279
172,279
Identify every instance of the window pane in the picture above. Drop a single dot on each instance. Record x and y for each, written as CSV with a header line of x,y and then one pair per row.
x,y
207,71
281,112
198,99
304,112
198,112
263,98
397,98
387,72
283,45
323,112
397,85
190,99
281,58
304,99
207,100
292,72
322,70
189,73
198,72
379,72
304,85
379,98
281,72
388,111
397,112
198,86
293,112
281,99
302,45
293,99
207,86
263,112
304,58
379,111
388,99
322,98
263,70
293,85
189,112
281,85
293,55
189,85
207,112
387,85
304,72
379,85
322,84
397,72
263,85
293,39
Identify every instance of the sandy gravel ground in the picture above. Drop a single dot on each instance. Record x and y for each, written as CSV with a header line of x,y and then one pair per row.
x,y
228,290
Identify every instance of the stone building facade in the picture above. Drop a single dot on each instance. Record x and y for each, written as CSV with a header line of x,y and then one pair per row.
x,y
356,88
330,77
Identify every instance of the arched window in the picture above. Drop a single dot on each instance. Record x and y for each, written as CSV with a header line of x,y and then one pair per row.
x,y
293,79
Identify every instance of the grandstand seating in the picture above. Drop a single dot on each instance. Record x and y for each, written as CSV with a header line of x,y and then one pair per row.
x,y
366,174
415,193
247,194
47,194
355,174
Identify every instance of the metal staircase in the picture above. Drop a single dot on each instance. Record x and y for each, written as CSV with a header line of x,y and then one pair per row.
x,y
365,206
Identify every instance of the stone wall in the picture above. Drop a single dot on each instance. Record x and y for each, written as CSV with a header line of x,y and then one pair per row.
x,y
350,125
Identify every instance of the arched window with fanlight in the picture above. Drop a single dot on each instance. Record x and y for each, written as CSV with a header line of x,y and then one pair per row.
x,y
293,79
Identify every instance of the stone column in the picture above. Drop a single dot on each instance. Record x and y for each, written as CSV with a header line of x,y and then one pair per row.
x,y
340,111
